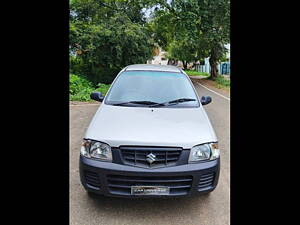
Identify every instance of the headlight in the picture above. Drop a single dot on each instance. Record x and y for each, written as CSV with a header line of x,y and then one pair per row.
x,y
204,152
96,150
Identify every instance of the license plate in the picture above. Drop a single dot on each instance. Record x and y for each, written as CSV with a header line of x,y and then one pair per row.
x,y
150,190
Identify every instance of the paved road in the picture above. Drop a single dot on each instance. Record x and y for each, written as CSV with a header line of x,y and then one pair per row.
x,y
201,210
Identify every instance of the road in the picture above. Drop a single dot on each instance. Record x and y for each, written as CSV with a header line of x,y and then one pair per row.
x,y
200,210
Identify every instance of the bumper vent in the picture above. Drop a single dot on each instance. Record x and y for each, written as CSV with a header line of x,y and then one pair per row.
x,y
121,185
92,179
206,180
142,156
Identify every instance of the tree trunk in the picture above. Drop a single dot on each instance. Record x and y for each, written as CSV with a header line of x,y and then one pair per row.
x,y
172,62
213,65
194,65
185,65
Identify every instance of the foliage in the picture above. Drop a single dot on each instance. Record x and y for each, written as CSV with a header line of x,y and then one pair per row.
x,y
106,36
77,65
204,23
80,88
196,73
78,83
222,82
162,27
103,88
224,58
182,50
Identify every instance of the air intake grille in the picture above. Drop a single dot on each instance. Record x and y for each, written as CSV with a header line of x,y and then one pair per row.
x,y
92,179
140,156
206,180
121,185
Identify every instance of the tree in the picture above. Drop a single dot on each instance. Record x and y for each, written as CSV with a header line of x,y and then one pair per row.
x,y
215,23
204,22
183,51
179,45
107,36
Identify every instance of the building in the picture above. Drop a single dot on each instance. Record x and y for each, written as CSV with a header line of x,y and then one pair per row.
x,y
160,57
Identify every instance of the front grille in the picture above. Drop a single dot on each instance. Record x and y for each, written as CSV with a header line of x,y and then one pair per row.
x,y
206,180
137,156
92,179
179,185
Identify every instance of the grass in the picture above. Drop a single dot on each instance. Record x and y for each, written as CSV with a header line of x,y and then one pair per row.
x,y
80,88
196,73
222,82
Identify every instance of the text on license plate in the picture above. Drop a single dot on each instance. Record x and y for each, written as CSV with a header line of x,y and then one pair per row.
x,y
150,190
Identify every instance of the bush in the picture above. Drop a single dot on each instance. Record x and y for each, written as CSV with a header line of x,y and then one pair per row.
x,y
78,83
83,95
80,88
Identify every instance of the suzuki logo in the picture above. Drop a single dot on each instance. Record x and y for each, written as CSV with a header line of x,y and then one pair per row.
x,y
151,158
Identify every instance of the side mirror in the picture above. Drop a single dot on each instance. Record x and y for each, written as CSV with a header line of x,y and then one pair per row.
x,y
205,100
97,96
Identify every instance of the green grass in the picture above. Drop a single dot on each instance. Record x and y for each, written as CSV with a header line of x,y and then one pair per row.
x,y
196,73
80,88
222,82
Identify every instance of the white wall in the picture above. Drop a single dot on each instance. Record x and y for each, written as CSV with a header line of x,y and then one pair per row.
x,y
158,59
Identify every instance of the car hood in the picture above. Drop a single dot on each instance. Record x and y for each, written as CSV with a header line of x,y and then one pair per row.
x,y
173,127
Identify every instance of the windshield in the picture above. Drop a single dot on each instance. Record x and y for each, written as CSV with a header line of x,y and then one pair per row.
x,y
152,86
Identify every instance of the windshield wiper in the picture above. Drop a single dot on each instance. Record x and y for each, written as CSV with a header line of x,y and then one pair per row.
x,y
155,104
174,102
137,102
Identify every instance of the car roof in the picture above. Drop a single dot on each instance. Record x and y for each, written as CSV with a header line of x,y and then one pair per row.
x,y
152,67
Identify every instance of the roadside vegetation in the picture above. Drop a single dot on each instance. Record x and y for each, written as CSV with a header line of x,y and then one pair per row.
x,y
196,73
81,88
222,82
202,32
105,36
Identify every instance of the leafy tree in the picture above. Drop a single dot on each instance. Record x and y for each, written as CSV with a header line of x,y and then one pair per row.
x,y
215,30
182,50
204,22
162,28
179,45
106,36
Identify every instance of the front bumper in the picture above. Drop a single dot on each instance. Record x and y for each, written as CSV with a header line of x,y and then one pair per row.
x,y
111,179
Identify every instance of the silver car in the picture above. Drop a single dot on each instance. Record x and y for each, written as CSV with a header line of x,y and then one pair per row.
x,y
150,137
